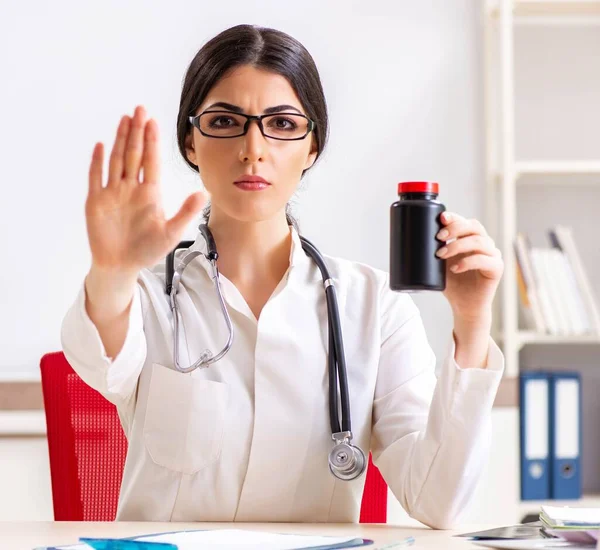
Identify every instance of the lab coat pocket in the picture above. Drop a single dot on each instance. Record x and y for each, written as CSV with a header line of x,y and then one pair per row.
x,y
185,415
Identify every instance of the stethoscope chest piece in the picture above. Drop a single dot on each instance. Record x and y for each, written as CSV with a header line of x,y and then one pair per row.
x,y
346,461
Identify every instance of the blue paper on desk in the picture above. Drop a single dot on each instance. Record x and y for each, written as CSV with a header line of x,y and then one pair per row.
x,y
218,539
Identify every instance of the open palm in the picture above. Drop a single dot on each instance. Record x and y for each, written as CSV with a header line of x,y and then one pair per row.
x,y
126,225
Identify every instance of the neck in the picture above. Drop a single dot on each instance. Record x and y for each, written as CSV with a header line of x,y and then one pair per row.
x,y
251,251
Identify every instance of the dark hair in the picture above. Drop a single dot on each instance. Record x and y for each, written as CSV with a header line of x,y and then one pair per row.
x,y
262,48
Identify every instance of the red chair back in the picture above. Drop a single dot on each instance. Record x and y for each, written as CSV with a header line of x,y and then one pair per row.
x,y
86,444
87,449
373,508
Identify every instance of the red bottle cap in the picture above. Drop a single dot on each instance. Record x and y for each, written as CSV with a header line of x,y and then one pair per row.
x,y
418,187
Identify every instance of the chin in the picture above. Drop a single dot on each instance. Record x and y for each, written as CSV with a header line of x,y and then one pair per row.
x,y
251,214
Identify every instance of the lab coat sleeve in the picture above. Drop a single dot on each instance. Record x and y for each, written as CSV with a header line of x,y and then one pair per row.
x,y
115,378
430,438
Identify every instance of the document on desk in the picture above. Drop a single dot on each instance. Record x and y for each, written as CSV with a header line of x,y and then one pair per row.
x,y
218,539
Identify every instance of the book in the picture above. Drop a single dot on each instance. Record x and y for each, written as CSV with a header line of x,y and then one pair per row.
x,y
555,293
545,291
564,239
570,290
527,287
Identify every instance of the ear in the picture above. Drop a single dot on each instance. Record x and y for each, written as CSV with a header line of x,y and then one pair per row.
x,y
312,156
190,152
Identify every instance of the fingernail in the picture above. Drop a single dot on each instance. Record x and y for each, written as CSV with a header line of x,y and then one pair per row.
x,y
442,251
447,216
443,234
454,268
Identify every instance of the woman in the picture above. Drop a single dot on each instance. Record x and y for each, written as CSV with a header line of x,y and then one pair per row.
x,y
247,438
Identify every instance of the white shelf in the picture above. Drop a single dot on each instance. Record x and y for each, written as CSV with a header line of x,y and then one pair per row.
x,y
20,376
22,423
536,8
590,169
534,506
546,167
549,8
528,337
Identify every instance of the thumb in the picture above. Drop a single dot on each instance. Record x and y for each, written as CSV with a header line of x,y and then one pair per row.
x,y
189,209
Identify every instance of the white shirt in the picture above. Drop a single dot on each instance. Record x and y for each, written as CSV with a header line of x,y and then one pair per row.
x,y
247,439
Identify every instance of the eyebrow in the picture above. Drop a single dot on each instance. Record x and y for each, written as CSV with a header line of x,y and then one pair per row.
x,y
267,111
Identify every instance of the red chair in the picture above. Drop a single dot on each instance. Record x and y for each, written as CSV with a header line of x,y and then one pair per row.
x,y
86,444
87,449
373,508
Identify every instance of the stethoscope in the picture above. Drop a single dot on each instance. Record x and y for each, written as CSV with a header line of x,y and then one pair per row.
x,y
346,461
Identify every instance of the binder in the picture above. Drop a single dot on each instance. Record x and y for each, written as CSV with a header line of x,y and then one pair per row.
x,y
565,435
534,401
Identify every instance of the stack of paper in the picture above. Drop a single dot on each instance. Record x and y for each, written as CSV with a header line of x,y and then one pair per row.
x,y
237,538
581,525
219,539
556,517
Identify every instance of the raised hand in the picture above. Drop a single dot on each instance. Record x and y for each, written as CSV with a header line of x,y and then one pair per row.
x,y
126,225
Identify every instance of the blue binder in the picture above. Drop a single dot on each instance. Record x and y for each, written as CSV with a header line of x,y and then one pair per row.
x,y
565,435
534,401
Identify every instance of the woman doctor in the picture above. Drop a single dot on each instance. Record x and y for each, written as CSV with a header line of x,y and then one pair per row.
x,y
247,439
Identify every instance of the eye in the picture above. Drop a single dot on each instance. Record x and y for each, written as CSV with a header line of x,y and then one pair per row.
x,y
222,121
282,123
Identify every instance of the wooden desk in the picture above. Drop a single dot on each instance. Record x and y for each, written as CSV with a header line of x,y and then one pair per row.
x,y
28,535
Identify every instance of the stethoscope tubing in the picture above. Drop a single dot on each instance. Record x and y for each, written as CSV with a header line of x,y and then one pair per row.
x,y
346,461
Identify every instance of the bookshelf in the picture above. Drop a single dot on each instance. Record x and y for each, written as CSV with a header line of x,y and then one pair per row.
x,y
506,175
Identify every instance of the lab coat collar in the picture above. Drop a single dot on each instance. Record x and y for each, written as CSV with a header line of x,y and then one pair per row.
x,y
297,254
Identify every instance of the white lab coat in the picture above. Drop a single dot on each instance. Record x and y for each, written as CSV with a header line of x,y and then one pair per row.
x,y
248,438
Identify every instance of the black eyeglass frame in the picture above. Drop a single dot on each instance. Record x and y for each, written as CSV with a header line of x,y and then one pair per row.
x,y
195,121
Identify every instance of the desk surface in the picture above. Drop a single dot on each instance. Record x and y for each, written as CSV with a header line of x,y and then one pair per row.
x,y
28,535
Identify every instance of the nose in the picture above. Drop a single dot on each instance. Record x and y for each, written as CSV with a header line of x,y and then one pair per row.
x,y
253,145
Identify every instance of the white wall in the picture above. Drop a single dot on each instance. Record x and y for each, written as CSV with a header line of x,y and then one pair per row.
x,y
403,83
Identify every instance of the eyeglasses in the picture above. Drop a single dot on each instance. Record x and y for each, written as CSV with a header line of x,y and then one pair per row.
x,y
225,124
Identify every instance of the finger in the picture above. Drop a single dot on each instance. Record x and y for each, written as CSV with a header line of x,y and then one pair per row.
x,y
461,227
135,144
489,266
190,208
95,176
448,217
115,168
150,159
481,244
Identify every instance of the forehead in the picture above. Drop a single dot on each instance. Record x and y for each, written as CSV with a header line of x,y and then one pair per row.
x,y
252,89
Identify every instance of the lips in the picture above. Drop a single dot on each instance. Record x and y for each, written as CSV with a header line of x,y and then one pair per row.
x,y
251,183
